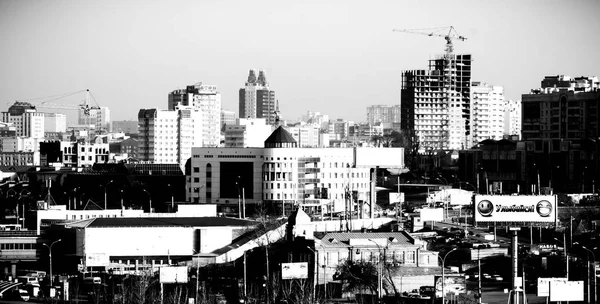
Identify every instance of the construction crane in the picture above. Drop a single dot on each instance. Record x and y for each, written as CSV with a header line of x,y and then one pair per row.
x,y
447,32
45,102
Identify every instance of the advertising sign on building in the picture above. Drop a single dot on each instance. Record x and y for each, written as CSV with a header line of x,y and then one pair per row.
x,y
516,210
543,286
396,198
173,274
452,284
566,291
97,260
291,271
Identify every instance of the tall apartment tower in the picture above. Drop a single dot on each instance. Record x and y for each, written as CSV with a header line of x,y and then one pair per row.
x,y
167,137
256,100
428,97
564,108
205,99
512,118
27,121
383,114
487,112
97,117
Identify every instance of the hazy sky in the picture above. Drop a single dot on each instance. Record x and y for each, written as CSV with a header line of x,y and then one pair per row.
x,y
336,57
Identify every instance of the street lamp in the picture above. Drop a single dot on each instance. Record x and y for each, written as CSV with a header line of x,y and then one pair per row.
x,y
316,278
106,195
172,196
50,255
444,274
593,283
379,270
149,199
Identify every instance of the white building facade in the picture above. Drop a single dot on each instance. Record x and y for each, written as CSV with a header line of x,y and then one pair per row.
x,y
55,122
168,136
320,179
247,132
207,101
487,112
100,118
512,117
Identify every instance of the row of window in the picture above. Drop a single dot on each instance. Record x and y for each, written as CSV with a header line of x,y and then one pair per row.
x,y
18,246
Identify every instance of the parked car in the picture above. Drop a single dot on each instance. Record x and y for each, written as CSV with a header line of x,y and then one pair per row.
x,y
29,280
497,277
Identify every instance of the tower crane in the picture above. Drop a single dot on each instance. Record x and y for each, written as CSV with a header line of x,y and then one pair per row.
x,y
438,32
45,102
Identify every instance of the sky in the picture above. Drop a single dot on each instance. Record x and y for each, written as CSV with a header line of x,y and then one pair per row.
x,y
334,57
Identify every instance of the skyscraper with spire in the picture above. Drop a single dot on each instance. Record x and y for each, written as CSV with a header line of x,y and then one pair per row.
x,y
257,100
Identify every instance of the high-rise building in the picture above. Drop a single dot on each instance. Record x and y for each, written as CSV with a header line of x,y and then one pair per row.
x,y
383,114
100,118
512,118
257,100
565,108
487,112
168,136
429,96
207,100
27,121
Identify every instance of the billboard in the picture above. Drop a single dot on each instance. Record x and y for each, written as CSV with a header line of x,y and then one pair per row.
x,y
516,210
432,214
294,271
543,289
395,198
173,274
566,291
452,284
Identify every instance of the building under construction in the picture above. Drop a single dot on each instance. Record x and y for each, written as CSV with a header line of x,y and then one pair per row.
x,y
435,103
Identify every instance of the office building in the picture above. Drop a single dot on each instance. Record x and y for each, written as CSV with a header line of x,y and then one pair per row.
x,y
281,175
26,120
307,136
429,97
257,100
487,112
168,136
383,114
7,130
339,129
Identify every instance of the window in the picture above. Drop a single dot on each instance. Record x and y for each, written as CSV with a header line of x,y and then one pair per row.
x,y
196,169
196,179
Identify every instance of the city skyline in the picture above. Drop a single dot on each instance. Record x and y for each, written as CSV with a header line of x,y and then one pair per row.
x,y
131,54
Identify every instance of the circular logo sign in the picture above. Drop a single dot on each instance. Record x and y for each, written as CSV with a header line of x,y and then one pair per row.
x,y
544,208
485,208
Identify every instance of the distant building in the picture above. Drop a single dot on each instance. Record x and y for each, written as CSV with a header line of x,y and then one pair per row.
x,y
565,108
487,112
282,175
55,122
257,100
100,118
19,158
206,100
512,118
27,121
19,144
227,117
125,126
168,136
383,114
435,103
7,130
316,118
73,154
339,129
130,147
307,136
247,132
